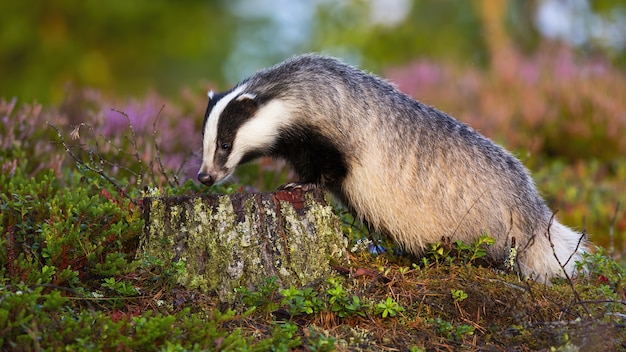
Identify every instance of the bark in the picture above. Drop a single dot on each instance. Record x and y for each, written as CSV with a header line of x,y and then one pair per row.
x,y
239,240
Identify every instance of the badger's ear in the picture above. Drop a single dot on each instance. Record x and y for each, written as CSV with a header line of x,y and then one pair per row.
x,y
210,94
247,96
248,102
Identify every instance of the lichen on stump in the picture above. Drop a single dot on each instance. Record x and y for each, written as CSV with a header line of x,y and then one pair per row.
x,y
239,240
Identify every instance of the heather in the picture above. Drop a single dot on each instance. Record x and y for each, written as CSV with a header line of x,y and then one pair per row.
x,y
551,103
74,175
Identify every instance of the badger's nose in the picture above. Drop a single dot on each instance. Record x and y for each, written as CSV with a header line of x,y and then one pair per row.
x,y
206,178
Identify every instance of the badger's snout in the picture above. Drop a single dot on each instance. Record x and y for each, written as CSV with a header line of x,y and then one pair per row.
x,y
206,178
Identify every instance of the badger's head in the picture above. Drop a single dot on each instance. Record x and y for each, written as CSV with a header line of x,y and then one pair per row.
x,y
239,125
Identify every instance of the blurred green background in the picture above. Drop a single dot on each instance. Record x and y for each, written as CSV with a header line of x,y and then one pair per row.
x,y
134,46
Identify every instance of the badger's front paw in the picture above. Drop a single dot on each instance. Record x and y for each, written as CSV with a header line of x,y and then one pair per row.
x,y
303,186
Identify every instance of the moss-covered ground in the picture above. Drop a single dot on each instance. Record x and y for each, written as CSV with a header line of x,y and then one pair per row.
x,y
70,281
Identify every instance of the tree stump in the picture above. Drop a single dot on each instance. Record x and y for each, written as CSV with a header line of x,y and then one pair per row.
x,y
231,241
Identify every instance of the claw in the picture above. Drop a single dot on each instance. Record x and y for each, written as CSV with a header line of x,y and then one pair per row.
x,y
303,186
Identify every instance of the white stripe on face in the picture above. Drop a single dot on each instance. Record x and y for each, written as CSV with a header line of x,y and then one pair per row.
x,y
210,129
259,132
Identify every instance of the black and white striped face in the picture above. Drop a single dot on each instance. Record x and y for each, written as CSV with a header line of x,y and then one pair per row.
x,y
238,127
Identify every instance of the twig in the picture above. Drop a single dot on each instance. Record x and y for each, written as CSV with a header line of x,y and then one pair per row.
x,y
611,228
133,141
580,241
567,276
534,298
599,301
161,168
468,211
98,171
94,151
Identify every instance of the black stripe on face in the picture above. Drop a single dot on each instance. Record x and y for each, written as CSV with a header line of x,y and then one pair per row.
x,y
236,113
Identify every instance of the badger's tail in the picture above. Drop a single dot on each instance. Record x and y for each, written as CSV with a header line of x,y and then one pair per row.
x,y
553,253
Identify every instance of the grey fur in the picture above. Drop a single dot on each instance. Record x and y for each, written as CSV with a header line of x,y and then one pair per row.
x,y
410,170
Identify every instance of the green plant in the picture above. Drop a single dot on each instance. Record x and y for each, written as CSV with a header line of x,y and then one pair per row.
x,y
282,338
115,263
22,312
264,296
69,232
458,295
605,272
388,307
448,330
319,341
403,270
301,301
459,251
443,327
438,252
468,253
462,331
123,288
341,302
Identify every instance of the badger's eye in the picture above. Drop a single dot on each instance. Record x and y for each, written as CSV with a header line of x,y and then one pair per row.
x,y
225,146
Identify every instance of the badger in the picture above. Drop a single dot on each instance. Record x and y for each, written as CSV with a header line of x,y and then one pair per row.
x,y
406,169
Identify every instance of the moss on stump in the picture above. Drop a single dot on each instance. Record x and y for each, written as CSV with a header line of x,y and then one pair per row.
x,y
239,240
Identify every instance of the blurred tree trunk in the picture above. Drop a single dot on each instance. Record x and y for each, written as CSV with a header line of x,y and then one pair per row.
x,y
493,16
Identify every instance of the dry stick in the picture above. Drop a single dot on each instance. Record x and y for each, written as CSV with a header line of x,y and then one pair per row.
x,y
580,241
513,244
599,301
534,298
95,157
133,141
161,168
567,276
578,300
98,171
529,243
611,237
177,172
569,279
100,158
76,293
135,155
468,210
603,301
